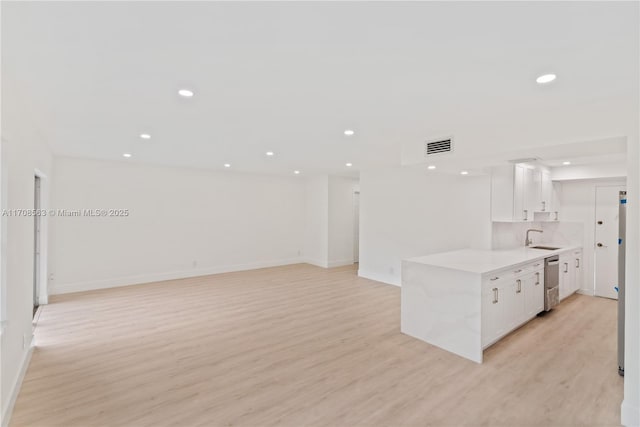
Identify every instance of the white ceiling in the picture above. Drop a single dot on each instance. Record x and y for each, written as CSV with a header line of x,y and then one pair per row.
x,y
290,77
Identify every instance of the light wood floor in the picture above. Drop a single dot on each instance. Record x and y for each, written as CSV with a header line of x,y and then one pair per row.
x,y
304,346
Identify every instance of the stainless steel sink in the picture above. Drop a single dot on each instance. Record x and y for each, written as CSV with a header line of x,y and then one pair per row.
x,y
546,248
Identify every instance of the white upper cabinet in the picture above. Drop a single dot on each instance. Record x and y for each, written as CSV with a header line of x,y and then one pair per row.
x,y
546,193
520,190
532,182
518,211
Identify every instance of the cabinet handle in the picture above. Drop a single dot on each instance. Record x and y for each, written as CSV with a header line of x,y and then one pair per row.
x,y
544,206
495,295
494,278
577,262
537,279
566,267
519,282
526,214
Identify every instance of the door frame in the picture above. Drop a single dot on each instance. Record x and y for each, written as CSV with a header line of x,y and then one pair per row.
x,y
356,226
595,231
4,174
43,260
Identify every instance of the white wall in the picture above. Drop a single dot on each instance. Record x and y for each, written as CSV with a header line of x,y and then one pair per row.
x,y
25,151
577,204
316,234
183,222
407,212
604,170
341,220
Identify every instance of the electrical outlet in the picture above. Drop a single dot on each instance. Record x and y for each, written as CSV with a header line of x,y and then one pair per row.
x,y
195,263
392,270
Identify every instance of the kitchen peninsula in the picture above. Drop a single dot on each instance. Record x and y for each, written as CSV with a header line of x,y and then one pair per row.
x,y
466,300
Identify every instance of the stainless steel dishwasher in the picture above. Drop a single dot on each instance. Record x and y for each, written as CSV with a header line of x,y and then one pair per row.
x,y
551,282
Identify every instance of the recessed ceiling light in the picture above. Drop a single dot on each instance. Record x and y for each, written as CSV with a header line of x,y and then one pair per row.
x,y
432,167
186,93
349,132
464,173
127,155
546,78
566,163
145,136
296,172
348,164
227,165
269,153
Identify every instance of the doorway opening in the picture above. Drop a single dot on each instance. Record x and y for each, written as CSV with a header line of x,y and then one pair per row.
x,y
37,241
356,227
40,226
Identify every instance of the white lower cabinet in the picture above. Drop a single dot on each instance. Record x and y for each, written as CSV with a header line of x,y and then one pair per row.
x,y
514,304
571,276
493,312
534,293
509,299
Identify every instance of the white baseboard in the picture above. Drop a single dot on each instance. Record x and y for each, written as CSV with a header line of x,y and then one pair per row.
x,y
340,263
317,263
158,277
388,279
15,387
328,264
630,414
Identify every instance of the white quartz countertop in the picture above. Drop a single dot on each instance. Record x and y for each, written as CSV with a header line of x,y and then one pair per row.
x,y
484,261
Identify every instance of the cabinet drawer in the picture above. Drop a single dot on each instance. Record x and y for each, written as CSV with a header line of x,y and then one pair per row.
x,y
538,265
502,277
496,280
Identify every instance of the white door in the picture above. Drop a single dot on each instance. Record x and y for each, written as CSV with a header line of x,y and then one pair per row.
x,y
606,239
356,227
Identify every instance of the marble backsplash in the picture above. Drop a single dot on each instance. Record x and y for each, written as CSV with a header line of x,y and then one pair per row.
x,y
508,235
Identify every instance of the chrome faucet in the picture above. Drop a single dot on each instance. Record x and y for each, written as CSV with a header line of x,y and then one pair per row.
x,y
527,239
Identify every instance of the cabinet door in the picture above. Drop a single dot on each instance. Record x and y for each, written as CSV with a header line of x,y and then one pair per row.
x,y
567,275
532,180
492,316
518,194
514,308
546,192
534,293
579,276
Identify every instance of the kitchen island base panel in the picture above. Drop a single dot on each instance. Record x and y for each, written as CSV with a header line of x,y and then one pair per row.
x,y
444,310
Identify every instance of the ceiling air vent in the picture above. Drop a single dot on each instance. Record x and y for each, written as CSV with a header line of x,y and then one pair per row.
x,y
437,147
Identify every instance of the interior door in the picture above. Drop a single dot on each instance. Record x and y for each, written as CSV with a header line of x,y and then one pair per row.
x,y
606,239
